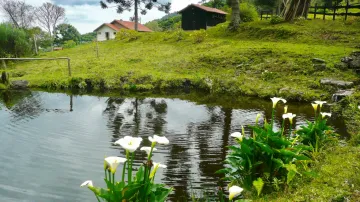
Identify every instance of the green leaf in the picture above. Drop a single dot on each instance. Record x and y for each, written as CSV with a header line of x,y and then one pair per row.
x,y
222,171
278,163
131,190
280,141
245,148
140,174
302,158
258,184
291,168
264,147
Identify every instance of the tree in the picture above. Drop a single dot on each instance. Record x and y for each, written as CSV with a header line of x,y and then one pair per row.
x,y
14,42
235,15
88,37
49,15
295,8
20,14
122,5
66,32
214,3
154,26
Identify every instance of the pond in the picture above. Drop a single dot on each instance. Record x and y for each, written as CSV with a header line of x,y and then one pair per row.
x,y
52,142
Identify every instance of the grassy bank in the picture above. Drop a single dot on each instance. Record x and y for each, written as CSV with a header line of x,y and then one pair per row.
x,y
260,60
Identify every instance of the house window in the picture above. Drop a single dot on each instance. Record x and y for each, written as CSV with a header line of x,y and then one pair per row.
x,y
114,33
99,33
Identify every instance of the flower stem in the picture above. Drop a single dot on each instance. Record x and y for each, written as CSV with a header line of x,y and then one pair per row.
x,y
97,198
130,170
290,130
113,182
272,118
282,127
151,150
123,172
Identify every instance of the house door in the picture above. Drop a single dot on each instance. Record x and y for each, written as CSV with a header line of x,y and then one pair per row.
x,y
107,35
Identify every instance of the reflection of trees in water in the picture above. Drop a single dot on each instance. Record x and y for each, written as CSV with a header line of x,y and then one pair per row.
x,y
22,104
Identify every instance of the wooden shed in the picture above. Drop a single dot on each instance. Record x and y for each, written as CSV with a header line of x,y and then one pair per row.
x,y
195,17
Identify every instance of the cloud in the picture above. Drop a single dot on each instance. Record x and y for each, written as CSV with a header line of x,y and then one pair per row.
x,y
77,2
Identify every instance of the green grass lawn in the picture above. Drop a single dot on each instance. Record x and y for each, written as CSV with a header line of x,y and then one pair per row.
x,y
259,60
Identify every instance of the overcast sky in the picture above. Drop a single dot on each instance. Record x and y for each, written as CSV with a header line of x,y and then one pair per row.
x,y
87,15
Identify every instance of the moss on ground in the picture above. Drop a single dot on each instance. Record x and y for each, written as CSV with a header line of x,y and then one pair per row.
x,y
260,60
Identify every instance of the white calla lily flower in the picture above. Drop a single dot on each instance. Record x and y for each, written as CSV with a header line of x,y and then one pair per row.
x,y
315,106
87,183
275,100
129,143
320,103
237,135
234,191
113,162
323,115
289,116
159,140
156,167
147,149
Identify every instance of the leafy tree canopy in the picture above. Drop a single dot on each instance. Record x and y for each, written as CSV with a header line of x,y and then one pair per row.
x,y
66,32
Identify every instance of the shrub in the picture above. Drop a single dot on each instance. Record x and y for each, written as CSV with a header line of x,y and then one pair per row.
x,y
127,35
271,159
13,42
199,36
275,19
179,35
69,44
248,12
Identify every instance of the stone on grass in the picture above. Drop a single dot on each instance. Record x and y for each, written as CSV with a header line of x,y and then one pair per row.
x,y
320,67
19,84
342,94
318,61
337,83
341,65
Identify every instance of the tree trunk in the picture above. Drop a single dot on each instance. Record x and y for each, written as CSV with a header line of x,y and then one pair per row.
x,y
295,8
136,16
235,15
35,46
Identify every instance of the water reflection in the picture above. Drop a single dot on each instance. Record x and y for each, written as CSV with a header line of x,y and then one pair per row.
x,y
198,132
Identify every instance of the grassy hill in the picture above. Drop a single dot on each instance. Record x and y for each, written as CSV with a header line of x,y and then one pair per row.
x,y
260,60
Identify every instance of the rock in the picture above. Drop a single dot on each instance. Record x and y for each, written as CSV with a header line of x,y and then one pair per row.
x,y
341,65
355,53
320,67
19,84
318,61
346,59
355,63
341,94
338,83
284,90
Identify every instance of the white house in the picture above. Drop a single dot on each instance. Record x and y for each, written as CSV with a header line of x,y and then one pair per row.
x,y
108,31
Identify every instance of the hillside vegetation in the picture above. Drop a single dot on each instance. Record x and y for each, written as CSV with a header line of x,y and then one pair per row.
x,y
260,60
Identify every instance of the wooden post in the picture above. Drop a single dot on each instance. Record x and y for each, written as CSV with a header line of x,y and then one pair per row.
x,y
346,9
334,11
315,11
69,67
4,63
324,12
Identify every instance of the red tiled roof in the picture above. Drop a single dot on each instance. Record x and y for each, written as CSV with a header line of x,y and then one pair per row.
x,y
131,25
109,25
205,8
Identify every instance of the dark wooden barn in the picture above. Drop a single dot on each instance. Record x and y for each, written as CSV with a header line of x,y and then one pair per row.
x,y
195,17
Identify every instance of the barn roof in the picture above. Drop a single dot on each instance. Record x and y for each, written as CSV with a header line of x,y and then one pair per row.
x,y
131,25
109,25
205,8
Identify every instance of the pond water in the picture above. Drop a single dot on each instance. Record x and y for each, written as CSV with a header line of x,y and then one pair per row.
x,y
52,142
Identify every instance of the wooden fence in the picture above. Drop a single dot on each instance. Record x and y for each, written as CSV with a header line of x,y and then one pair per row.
x,y
323,10
267,14
60,58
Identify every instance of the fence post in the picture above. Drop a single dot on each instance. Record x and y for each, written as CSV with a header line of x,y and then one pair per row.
x,y
334,11
4,64
69,67
346,9
324,12
315,11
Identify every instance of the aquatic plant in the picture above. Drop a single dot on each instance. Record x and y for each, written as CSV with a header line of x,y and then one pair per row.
x,y
266,159
138,187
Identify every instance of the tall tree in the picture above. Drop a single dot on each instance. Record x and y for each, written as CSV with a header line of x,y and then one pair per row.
x,y
66,32
20,14
142,5
295,8
235,15
49,16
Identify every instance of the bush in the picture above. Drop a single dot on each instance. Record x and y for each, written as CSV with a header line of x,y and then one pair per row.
x,y
127,35
275,19
69,44
199,36
13,42
248,12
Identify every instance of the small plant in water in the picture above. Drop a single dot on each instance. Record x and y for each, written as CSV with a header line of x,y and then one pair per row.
x,y
138,187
